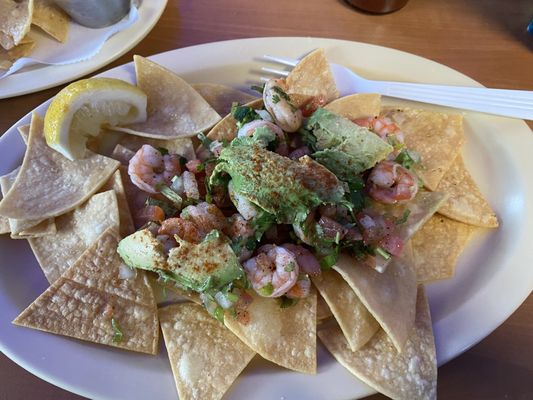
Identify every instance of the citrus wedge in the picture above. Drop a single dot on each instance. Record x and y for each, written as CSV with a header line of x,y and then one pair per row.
x,y
83,107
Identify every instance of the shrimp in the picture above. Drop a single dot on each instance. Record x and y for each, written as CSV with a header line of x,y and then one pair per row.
x,y
186,230
148,167
390,183
240,230
244,206
301,288
249,129
277,102
273,272
306,260
381,126
205,216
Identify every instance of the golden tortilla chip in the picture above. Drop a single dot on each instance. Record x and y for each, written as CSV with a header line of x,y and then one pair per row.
x,y
437,246
205,357
4,226
48,184
51,19
15,21
8,57
94,301
389,296
465,202
221,97
175,109
409,375
312,76
323,311
356,323
355,106
76,231
285,336
226,129
126,220
181,146
437,137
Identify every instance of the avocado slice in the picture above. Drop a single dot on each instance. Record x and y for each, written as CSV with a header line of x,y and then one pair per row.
x,y
142,250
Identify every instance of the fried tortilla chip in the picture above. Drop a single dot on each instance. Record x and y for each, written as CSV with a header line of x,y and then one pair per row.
x,y
323,311
437,246
4,226
15,21
285,336
409,375
226,129
182,146
206,358
356,323
389,296
465,202
48,184
175,109
437,137
221,97
76,231
312,76
8,57
51,19
126,220
355,106
94,301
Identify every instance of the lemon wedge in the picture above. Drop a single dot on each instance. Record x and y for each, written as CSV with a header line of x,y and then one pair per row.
x,y
80,109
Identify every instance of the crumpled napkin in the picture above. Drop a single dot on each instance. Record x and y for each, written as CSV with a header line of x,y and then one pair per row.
x,y
82,43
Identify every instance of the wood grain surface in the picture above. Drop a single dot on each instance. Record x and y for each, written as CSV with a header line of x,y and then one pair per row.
x,y
484,39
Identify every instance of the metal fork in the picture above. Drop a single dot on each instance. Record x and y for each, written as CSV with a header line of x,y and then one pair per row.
x,y
509,103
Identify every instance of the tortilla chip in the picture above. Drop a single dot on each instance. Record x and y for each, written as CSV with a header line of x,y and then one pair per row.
x,y
182,146
222,97
93,301
8,57
76,231
48,184
437,137
51,19
312,76
356,323
285,336
122,154
175,109
24,132
465,202
126,220
389,296
409,375
4,226
15,22
437,246
323,311
205,357
226,129
355,106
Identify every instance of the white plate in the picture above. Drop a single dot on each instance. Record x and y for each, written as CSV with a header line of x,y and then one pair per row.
x,y
492,279
39,77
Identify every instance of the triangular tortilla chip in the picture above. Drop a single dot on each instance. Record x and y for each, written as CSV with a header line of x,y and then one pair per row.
x,y
437,137
93,301
126,220
76,231
226,129
181,146
15,21
409,375
8,57
48,184
175,109
465,202
312,76
356,323
437,246
4,226
355,106
51,19
222,97
389,296
285,336
205,357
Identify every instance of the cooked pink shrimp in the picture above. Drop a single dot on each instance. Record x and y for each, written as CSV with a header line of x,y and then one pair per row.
x,y
306,260
390,183
382,126
148,167
249,128
239,229
205,216
301,288
186,230
273,272
277,102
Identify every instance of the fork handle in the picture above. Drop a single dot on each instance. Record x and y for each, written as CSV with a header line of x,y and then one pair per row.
x,y
510,103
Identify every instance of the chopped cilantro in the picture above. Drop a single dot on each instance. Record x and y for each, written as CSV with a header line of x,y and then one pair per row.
x,y
407,158
162,150
285,302
170,194
258,89
275,99
281,93
403,218
117,335
266,290
329,261
167,208
289,267
243,114
206,142
383,253
219,313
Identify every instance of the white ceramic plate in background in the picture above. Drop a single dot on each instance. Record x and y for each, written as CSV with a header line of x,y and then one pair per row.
x,y
39,77
492,279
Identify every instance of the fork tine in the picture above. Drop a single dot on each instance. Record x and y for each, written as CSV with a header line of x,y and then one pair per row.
x,y
281,60
275,71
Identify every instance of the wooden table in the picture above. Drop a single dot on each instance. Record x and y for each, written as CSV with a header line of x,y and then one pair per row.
x,y
485,39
